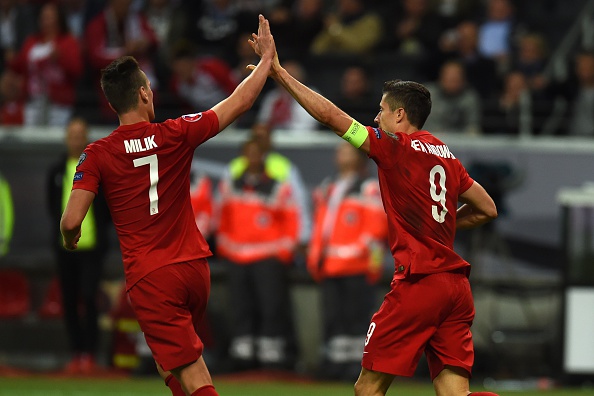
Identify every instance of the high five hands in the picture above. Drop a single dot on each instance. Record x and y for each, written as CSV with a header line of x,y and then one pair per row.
x,y
263,44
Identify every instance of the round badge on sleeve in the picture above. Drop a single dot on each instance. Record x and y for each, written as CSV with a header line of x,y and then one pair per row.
x,y
192,117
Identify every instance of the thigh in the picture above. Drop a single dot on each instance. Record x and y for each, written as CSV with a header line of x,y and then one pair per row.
x,y
402,327
452,345
168,303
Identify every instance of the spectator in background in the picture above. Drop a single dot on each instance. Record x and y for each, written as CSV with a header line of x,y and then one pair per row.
x,y
280,111
352,29
169,22
355,96
51,63
511,112
79,13
453,12
461,44
412,28
12,103
297,25
284,170
119,30
79,271
456,105
531,60
214,24
257,236
202,202
496,33
345,255
581,98
17,22
201,82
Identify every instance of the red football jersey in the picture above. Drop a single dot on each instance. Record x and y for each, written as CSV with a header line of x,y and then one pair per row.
x,y
420,181
144,172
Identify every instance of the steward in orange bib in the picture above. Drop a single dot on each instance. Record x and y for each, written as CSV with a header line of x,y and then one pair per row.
x,y
202,205
345,256
257,234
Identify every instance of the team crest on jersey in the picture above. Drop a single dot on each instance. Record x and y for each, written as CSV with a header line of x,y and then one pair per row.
x,y
192,117
81,159
78,176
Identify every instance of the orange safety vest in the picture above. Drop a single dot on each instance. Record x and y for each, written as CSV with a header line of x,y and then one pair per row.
x,y
256,222
201,200
354,243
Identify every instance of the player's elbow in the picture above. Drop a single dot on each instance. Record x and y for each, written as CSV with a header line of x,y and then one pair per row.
x,y
68,224
491,212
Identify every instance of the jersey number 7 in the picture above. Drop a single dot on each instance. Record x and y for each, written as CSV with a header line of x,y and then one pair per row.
x,y
153,164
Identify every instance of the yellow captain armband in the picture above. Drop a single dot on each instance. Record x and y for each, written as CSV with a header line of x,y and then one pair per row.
x,y
356,134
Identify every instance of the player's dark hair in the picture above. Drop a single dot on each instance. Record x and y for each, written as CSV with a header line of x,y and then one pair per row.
x,y
413,97
120,82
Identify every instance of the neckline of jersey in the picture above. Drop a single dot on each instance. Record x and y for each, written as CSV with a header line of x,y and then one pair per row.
x,y
130,127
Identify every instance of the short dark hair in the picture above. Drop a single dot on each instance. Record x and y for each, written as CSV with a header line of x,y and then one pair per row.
x,y
120,82
413,97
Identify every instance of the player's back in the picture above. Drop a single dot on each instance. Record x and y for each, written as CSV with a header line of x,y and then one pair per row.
x,y
144,171
421,181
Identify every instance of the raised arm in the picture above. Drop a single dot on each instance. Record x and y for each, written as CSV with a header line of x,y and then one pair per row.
x,y
316,105
244,96
478,208
73,216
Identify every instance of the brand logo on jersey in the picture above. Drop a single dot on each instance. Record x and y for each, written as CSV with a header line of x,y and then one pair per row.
x,y
441,150
393,136
377,133
81,159
139,145
78,176
192,117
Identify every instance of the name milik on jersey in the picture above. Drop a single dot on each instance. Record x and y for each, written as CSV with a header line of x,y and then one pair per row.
x,y
139,145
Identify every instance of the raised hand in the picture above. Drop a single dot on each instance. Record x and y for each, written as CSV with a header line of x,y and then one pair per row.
x,y
263,44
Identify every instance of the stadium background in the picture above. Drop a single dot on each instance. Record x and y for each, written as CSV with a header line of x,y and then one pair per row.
x,y
528,264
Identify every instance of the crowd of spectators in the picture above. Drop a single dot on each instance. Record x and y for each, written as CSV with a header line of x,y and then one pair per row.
x,y
486,58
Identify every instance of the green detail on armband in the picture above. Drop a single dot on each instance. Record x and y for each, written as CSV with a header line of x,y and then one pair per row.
x,y
356,134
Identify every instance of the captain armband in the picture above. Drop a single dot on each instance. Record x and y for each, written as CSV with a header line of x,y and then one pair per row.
x,y
356,134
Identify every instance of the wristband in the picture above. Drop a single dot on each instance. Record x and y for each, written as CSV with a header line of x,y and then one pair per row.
x,y
356,134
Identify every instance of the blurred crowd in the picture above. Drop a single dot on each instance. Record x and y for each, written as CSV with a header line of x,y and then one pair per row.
x,y
487,62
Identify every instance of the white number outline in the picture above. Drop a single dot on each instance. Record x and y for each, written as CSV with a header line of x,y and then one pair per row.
x,y
153,163
370,332
441,197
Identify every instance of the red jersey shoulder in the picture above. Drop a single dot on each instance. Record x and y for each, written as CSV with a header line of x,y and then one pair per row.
x,y
192,117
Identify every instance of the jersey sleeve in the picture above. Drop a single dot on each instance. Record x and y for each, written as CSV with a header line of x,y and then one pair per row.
x,y
199,127
87,175
386,149
465,180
